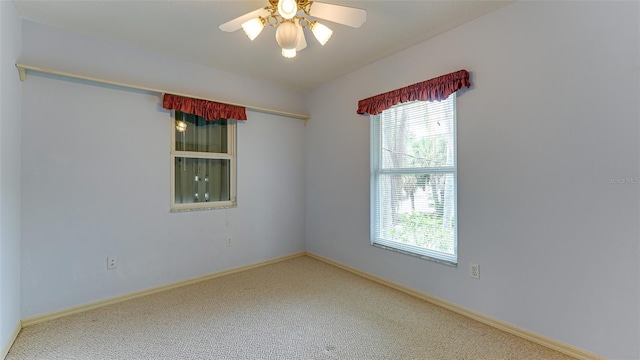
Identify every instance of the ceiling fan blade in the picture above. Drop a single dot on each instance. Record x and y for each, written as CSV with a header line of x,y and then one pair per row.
x,y
302,42
344,15
236,23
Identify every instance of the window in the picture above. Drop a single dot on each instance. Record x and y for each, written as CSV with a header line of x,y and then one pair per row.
x,y
203,162
413,179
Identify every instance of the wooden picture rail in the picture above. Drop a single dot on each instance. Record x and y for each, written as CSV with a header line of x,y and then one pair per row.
x,y
22,71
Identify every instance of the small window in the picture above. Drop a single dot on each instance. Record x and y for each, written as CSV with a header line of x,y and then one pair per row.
x,y
413,182
203,163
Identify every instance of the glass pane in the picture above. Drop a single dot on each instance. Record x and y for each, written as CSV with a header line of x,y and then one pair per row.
x,y
418,210
418,134
194,133
201,180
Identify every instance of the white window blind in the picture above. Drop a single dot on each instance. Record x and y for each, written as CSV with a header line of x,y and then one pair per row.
x,y
413,179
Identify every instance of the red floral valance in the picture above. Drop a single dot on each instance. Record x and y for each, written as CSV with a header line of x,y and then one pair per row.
x,y
430,90
210,110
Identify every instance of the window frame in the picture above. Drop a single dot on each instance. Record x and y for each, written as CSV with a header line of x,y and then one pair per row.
x,y
231,155
376,171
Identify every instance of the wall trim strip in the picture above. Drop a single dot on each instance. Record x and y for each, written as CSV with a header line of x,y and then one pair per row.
x,y
12,339
117,299
22,72
495,323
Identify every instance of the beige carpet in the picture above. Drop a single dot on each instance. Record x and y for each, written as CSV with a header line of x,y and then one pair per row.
x,y
296,309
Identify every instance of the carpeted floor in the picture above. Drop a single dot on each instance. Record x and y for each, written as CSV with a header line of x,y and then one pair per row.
x,y
296,309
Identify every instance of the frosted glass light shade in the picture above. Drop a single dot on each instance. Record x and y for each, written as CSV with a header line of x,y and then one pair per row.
x,y
287,35
302,42
289,53
253,28
321,32
287,8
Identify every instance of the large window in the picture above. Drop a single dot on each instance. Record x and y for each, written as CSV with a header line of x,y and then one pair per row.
x,y
203,162
413,179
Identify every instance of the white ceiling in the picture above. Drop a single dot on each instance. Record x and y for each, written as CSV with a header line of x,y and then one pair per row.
x,y
188,30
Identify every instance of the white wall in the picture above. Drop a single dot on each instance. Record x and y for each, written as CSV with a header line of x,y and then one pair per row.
x,y
552,116
95,179
10,113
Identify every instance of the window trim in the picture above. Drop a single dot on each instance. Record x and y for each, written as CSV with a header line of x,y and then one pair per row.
x,y
231,155
376,170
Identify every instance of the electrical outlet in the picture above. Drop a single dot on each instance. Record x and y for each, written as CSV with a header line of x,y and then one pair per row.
x,y
229,241
112,262
474,271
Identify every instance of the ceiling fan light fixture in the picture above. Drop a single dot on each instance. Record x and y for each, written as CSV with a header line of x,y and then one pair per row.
x,y
253,27
289,53
321,32
287,8
181,126
290,18
302,42
287,35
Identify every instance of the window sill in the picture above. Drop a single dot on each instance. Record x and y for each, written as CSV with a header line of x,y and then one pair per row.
x,y
179,210
424,257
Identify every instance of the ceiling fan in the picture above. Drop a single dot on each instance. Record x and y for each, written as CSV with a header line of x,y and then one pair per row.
x,y
283,14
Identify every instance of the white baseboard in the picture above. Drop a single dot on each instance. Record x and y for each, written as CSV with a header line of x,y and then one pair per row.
x,y
12,339
114,300
498,324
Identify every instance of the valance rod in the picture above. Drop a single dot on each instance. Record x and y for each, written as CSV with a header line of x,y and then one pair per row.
x,y
22,70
